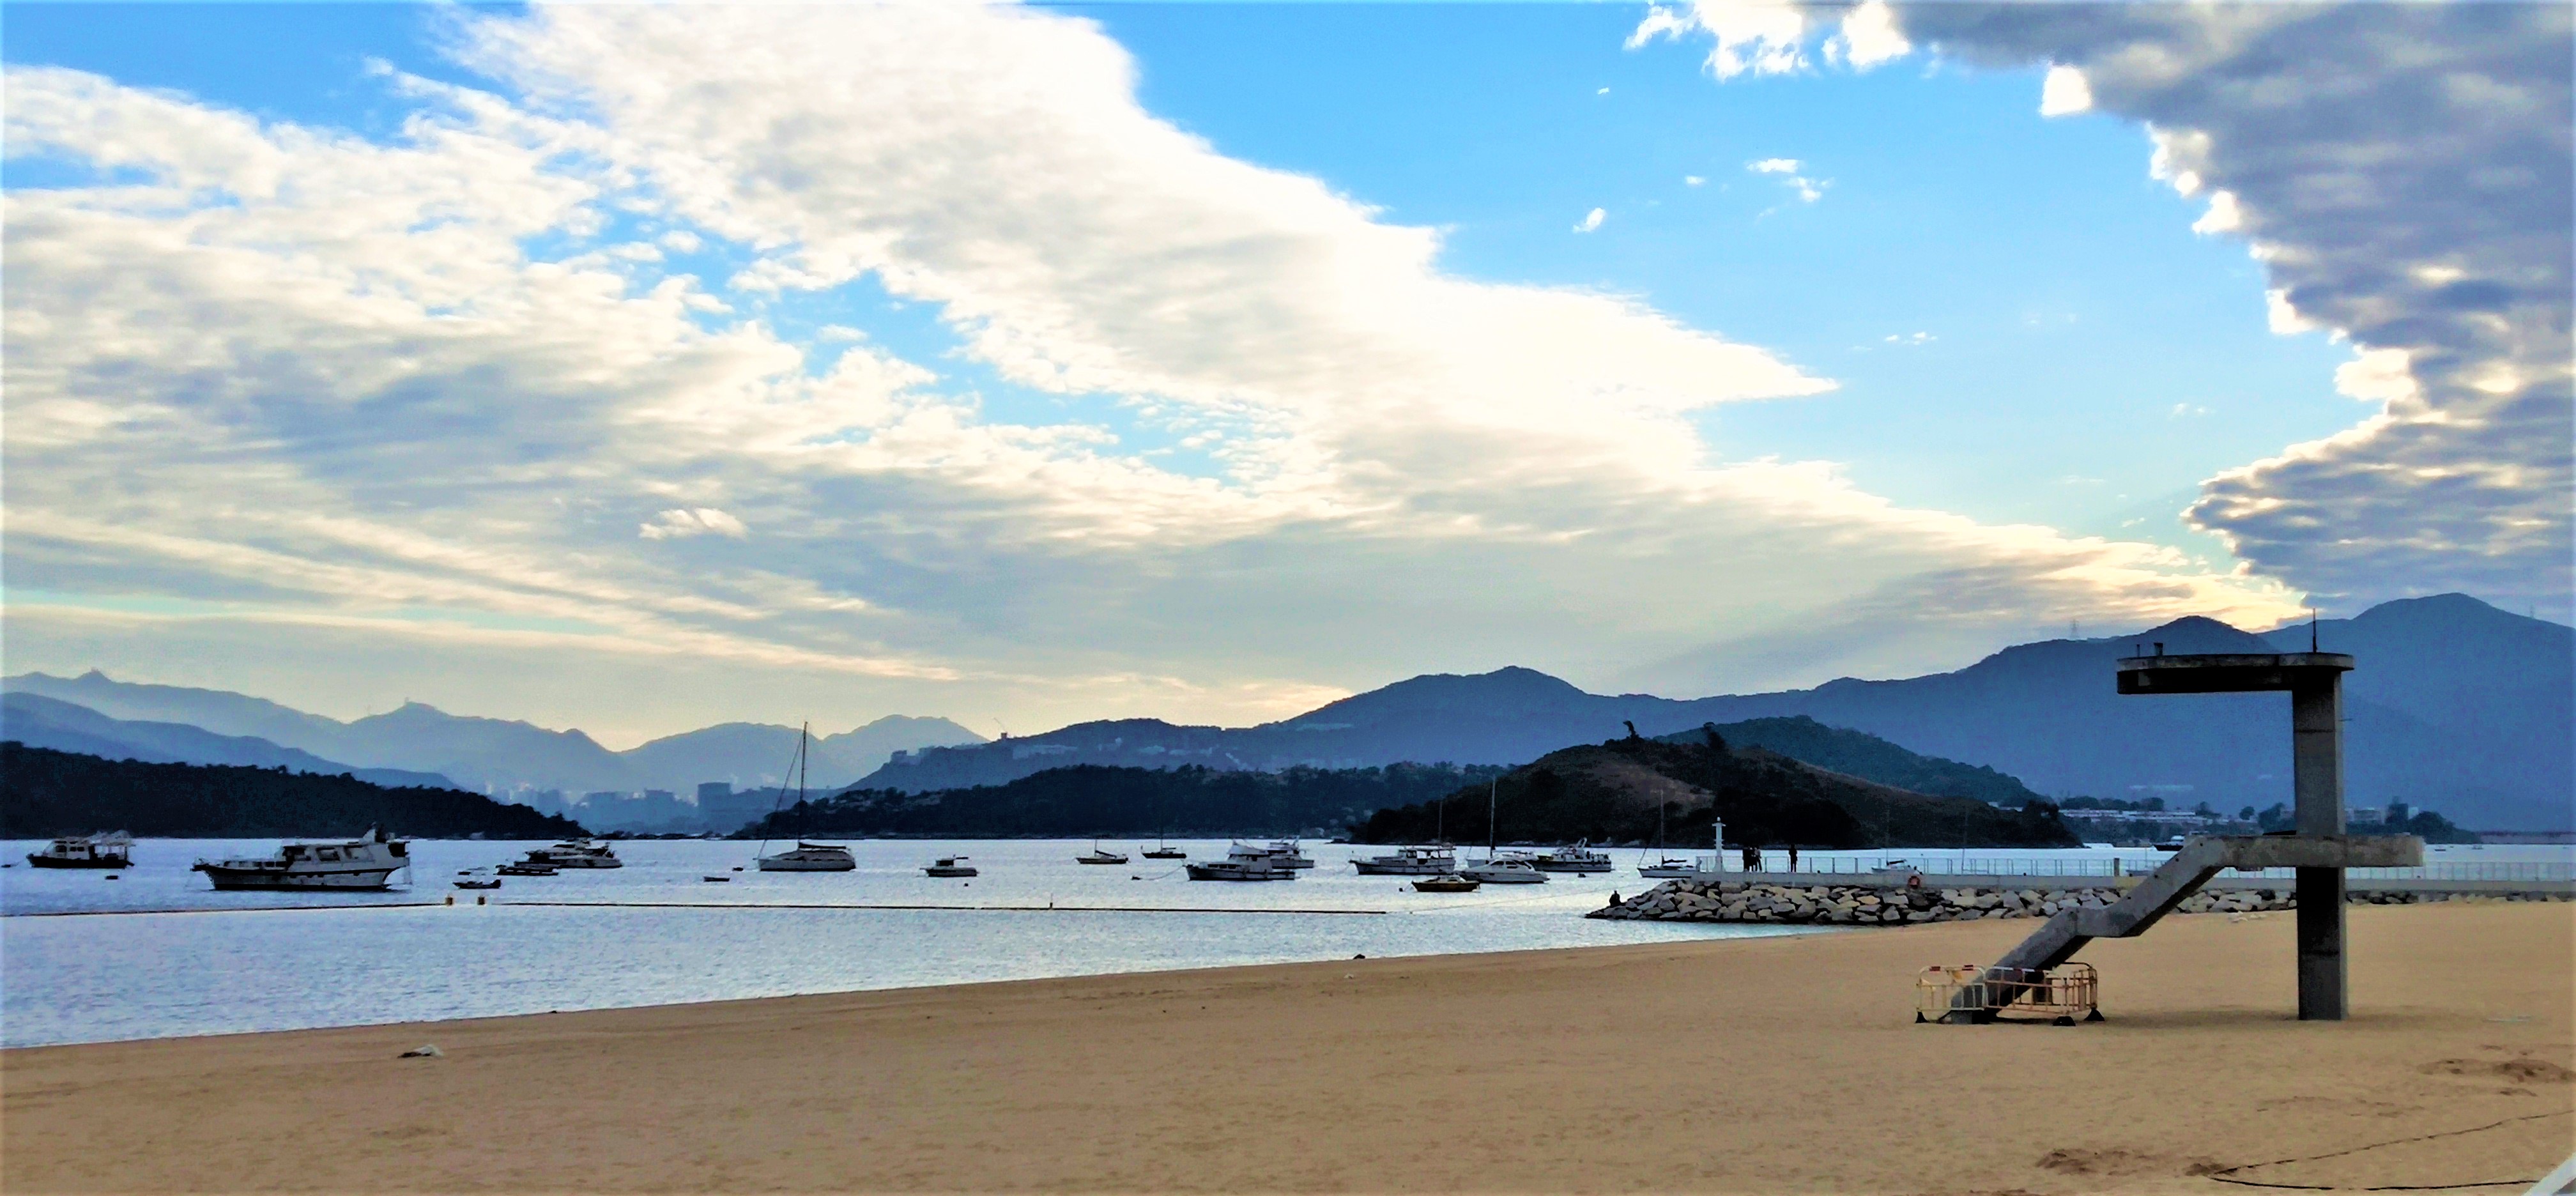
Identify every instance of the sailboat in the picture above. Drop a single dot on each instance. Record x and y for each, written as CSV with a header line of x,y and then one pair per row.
x,y
1665,867
804,857
1162,849
1097,856
1497,868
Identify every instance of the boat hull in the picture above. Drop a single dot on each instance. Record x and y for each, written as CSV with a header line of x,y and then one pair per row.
x,y
1572,865
270,879
949,872
1216,872
41,860
808,865
1658,872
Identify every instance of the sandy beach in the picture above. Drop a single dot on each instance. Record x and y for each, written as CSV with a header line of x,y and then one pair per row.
x,y
1765,1065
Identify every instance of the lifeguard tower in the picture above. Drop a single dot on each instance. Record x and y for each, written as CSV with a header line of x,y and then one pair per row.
x,y
2317,848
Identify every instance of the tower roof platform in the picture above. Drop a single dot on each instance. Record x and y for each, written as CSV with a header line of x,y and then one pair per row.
x,y
2228,672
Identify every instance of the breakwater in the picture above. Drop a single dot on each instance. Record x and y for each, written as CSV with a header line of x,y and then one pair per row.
x,y
1848,904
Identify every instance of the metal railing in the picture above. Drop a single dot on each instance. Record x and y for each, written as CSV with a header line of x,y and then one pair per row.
x,y
2040,869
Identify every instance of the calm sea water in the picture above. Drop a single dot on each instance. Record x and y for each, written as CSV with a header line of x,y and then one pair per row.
x,y
271,961
157,952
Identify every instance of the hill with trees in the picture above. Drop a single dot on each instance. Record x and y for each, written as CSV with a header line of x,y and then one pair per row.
x,y
1089,799
1610,793
44,792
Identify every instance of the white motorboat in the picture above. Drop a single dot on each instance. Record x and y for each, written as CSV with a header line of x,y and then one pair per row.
x,y
349,864
1282,853
1579,858
810,857
86,851
1240,870
576,853
1411,861
1504,870
1452,883
949,865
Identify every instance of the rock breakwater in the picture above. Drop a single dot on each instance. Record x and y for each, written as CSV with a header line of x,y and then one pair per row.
x,y
1871,905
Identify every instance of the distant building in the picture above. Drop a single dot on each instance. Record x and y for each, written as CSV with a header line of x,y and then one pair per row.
x,y
726,809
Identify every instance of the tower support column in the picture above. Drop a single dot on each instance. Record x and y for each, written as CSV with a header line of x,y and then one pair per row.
x,y
2316,758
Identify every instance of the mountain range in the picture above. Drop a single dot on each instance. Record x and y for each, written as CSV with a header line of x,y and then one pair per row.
x,y
98,715
2453,705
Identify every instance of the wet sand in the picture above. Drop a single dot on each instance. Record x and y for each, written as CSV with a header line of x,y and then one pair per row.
x,y
1758,1066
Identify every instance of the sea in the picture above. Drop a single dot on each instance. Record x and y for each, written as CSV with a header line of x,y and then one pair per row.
x,y
156,952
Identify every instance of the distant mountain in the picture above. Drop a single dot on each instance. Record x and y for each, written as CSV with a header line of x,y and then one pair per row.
x,y
1127,803
754,755
2455,706
494,755
43,722
45,792
1611,793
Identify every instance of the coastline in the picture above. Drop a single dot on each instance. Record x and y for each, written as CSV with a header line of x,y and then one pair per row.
x,y
1752,1065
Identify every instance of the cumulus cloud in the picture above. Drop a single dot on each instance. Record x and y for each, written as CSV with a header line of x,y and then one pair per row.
x,y
693,521
1807,190
2402,172
1591,221
324,381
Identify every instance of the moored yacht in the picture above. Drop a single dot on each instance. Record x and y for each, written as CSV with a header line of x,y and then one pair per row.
x,y
1578,858
576,853
1281,853
1411,861
1504,870
86,851
1097,856
949,865
810,857
351,864
1452,883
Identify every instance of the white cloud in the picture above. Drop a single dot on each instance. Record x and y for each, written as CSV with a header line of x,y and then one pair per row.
x,y
2063,92
1591,220
316,381
2402,173
1692,180
1808,190
692,521
1917,338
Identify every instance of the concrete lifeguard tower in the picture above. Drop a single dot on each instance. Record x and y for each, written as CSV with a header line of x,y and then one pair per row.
x,y
2317,848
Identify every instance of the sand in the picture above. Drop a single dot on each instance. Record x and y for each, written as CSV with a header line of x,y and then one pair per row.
x,y
1766,1065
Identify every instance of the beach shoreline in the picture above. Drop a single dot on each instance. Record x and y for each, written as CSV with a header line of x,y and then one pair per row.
x,y
1743,1065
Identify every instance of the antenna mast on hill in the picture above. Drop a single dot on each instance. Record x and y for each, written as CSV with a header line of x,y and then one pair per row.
x,y
2312,629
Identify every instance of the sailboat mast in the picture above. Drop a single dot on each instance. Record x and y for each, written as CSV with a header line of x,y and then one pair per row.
x,y
1490,791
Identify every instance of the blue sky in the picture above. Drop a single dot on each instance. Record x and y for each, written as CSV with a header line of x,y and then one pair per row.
x,y
1964,318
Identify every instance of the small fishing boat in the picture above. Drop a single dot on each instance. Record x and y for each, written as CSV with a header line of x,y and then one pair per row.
x,y
346,864
491,883
1097,856
1165,852
949,865
716,878
1239,870
86,851
1451,883
523,868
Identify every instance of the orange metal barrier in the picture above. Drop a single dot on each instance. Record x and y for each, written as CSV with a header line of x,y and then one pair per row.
x,y
1969,993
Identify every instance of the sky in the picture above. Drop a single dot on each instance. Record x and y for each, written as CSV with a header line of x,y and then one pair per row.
x,y
641,368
